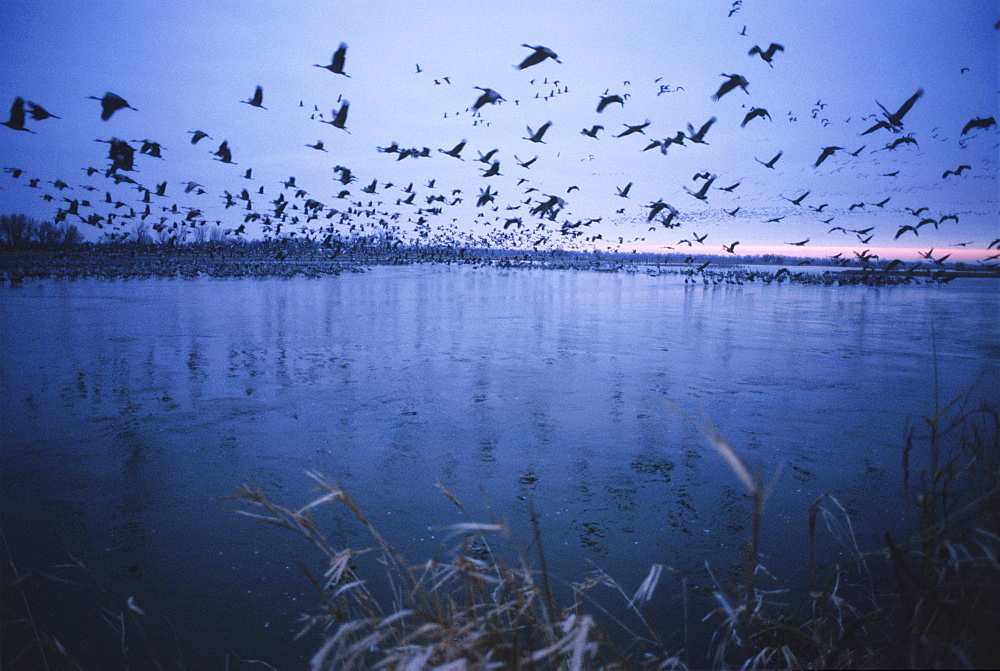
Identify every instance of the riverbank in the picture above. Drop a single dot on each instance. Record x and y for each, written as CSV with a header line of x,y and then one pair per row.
x,y
126,261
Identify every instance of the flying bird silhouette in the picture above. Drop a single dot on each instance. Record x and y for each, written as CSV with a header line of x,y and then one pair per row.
x,y
536,136
699,137
16,121
754,113
979,123
733,81
894,121
340,118
766,54
257,99
827,153
455,151
111,103
336,65
609,100
770,164
956,171
540,54
38,113
488,97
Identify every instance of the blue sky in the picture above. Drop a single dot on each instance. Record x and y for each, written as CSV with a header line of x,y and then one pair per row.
x,y
187,65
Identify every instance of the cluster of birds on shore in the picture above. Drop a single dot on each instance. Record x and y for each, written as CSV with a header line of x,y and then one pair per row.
x,y
414,214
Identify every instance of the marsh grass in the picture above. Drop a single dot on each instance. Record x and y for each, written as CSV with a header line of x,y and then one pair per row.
x,y
929,599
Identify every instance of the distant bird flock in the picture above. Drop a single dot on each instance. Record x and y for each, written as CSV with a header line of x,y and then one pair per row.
x,y
532,218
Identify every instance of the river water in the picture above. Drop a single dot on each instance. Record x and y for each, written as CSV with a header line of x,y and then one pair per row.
x,y
130,409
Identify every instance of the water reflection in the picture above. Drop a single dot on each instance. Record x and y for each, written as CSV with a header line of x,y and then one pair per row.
x,y
131,407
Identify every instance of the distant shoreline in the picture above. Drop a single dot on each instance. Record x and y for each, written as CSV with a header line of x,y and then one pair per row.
x,y
125,262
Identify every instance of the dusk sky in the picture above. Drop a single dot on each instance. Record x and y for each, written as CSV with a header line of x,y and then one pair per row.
x,y
411,72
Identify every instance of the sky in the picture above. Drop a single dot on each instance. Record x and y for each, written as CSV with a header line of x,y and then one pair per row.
x,y
411,72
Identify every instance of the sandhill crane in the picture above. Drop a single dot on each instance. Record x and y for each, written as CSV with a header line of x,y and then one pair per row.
x,y
536,136
770,164
894,121
766,54
979,123
198,135
698,137
16,121
825,154
956,171
592,132
753,114
336,65
733,81
223,152
638,128
489,97
610,99
111,103
541,53
455,151
257,99
340,118
38,113
703,193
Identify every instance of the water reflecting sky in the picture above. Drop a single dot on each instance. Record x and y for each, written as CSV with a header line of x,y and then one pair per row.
x,y
131,407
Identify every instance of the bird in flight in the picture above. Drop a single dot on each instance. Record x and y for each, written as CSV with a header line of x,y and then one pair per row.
x,y
455,151
16,121
111,103
223,152
592,132
540,54
336,65
894,121
340,118
536,136
488,97
608,100
38,113
753,114
733,81
956,171
766,54
257,99
699,137
979,123
638,128
770,164
703,193
827,153
731,248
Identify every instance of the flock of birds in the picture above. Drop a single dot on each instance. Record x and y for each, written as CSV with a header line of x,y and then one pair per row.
x,y
417,215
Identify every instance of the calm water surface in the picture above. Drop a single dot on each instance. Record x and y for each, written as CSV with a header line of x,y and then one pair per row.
x,y
131,408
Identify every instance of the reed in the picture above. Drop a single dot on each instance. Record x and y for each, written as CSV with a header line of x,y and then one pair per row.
x,y
927,600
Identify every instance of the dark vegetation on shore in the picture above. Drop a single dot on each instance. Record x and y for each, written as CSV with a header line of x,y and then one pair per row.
x,y
37,250
929,600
